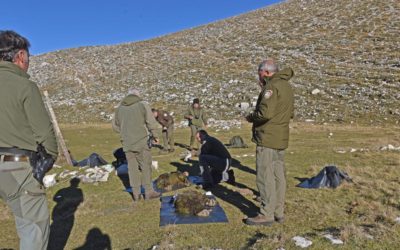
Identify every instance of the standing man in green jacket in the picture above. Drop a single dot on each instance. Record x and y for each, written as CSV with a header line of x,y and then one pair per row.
x,y
167,123
197,120
24,124
274,109
135,122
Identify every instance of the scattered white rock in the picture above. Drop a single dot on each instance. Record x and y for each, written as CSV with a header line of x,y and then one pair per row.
x,y
302,242
315,91
352,150
154,164
390,147
309,120
333,240
244,105
397,220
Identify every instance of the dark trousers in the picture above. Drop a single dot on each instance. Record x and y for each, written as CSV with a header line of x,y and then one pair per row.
x,y
212,168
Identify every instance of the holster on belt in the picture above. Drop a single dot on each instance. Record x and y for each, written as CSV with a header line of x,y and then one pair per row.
x,y
40,161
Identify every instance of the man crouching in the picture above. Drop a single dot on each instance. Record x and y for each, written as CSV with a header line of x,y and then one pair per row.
x,y
214,160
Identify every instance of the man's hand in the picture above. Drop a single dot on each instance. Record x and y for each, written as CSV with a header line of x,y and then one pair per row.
x,y
156,140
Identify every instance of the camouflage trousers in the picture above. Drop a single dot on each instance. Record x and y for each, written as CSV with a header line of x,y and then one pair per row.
x,y
139,170
28,202
168,137
271,181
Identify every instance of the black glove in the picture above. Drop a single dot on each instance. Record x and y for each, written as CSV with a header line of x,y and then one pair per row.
x,y
41,163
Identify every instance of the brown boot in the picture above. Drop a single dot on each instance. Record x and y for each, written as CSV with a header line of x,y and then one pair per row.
x,y
152,195
259,220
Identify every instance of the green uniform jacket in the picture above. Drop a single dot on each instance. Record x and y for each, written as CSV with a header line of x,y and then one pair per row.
x,y
199,119
24,120
274,109
135,122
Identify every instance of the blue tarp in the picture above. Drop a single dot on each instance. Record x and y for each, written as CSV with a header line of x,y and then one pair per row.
x,y
169,216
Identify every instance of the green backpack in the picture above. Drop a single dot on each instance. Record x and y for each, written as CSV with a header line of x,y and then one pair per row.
x,y
237,142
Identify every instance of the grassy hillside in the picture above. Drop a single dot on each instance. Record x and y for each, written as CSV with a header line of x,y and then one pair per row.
x,y
361,213
346,49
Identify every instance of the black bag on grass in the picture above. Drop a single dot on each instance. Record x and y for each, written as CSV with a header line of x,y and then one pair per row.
x,y
330,177
237,142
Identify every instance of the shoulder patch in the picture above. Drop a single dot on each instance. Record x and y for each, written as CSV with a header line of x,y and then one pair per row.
x,y
268,94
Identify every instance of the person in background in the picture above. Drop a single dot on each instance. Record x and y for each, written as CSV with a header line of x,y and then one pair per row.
x,y
197,120
167,123
135,123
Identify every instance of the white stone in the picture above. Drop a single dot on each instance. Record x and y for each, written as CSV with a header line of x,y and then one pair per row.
x,y
302,242
315,91
244,105
333,240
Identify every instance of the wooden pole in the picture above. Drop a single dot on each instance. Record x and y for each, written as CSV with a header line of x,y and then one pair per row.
x,y
60,138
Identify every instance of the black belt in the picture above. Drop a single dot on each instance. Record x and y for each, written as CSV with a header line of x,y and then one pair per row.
x,y
17,152
16,158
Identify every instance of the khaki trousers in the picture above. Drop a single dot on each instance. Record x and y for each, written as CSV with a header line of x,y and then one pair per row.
x,y
168,137
193,131
271,181
28,202
139,170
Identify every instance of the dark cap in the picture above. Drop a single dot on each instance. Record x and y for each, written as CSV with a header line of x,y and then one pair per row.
x,y
196,100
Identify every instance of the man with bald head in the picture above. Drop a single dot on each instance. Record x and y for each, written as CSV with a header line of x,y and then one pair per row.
x,y
270,119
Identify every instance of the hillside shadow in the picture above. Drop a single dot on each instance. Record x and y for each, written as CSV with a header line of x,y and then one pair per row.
x,y
63,215
236,199
242,186
236,164
95,239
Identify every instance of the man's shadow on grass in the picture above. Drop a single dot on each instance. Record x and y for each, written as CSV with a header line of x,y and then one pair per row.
x,y
95,239
191,166
63,215
236,164
182,145
236,199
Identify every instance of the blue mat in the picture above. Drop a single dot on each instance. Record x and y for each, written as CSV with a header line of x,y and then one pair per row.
x,y
169,216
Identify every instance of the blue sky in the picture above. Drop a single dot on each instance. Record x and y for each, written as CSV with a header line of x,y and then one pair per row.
x,y
52,25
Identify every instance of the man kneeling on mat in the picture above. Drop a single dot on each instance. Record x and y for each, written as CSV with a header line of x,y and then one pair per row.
x,y
214,160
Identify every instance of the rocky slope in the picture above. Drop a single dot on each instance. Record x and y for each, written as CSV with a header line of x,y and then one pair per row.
x,y
345,53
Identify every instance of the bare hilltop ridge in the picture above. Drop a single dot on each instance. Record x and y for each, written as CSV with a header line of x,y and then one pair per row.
x,y
345,54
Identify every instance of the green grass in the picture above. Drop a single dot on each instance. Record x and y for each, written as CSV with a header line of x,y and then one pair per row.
x,y
355,212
